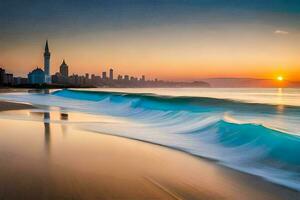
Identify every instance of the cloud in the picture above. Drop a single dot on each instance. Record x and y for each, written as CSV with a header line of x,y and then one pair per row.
x,y
281,32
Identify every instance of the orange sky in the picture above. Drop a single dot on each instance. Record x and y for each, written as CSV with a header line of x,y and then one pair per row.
x,y
193,46
172,54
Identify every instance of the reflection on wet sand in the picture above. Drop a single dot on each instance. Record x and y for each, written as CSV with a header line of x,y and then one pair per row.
x,y
64,127
47,128
46,117
47,131
64,116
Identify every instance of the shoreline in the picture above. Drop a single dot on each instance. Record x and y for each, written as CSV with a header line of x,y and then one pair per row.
x,y
10,105
167,173
207,159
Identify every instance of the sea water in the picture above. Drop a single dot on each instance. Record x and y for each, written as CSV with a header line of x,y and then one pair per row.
x,y
256,131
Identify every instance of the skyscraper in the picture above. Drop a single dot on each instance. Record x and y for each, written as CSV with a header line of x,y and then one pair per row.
x,y
64,69
104,76
111,74
47,63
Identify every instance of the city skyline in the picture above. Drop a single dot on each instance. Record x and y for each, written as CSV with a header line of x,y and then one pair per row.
x,y
41,77
192,39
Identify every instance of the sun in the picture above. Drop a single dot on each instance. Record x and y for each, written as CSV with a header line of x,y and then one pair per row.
x,y
279,78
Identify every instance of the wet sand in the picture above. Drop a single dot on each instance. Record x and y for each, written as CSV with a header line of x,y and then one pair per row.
x,y
44,155
5,105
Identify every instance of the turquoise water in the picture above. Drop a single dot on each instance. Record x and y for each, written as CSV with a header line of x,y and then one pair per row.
x,y
256,131
275,96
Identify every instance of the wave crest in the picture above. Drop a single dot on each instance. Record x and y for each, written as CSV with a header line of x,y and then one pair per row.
x,y
204,127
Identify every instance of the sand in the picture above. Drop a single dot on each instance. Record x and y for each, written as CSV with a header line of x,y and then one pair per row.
x,y
6,105
57,160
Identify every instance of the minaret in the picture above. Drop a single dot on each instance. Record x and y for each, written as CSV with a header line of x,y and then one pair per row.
x,y
47,63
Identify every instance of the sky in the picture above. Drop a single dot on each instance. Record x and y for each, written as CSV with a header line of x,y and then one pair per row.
x,y
165,39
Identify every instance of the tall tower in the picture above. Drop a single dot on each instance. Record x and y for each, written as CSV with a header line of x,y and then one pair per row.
x,y
64,69
47,63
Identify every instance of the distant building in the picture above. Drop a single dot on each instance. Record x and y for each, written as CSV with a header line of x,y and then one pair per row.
x,y
87,80
5,78
8,79
120,77
104,77
95,80
74,79
47,64
37,76
111,74
20,81
126,78
64,69
58,78
2,74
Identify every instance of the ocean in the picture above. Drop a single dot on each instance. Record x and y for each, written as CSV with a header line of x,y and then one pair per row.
x,y
253,130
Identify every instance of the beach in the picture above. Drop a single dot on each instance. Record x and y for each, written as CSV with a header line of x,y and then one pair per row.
x,y
44,154
150,100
